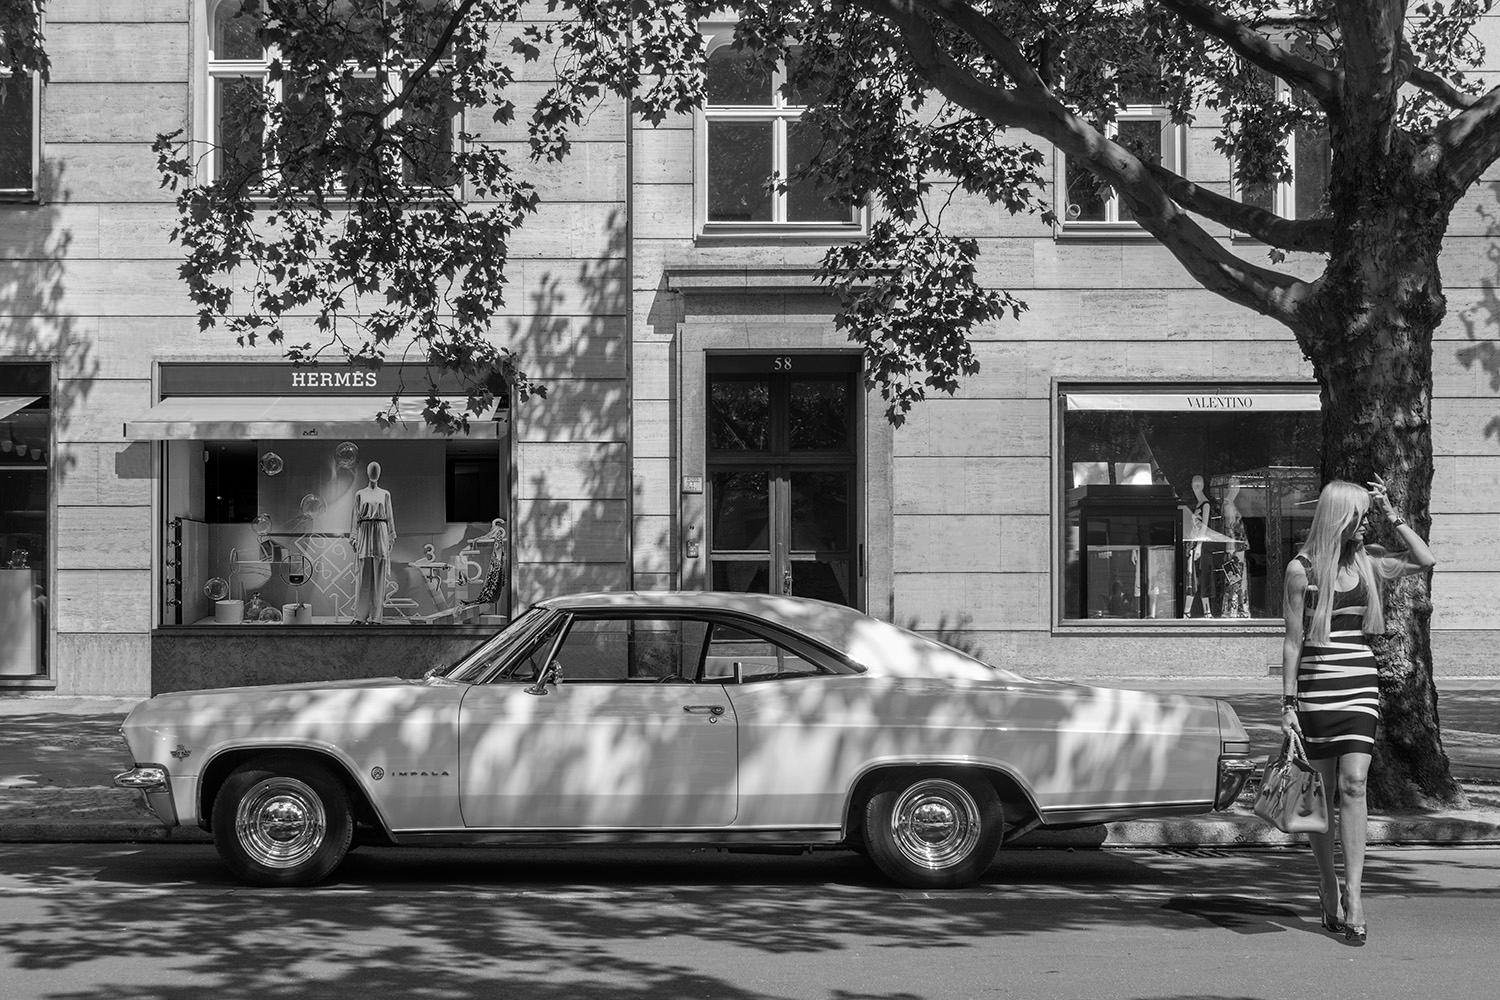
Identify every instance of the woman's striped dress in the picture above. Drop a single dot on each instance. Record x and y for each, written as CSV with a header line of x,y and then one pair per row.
x,y
1338,698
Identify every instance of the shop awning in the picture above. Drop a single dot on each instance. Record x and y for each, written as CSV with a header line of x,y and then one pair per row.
x,y
10,404
1218,401
220,418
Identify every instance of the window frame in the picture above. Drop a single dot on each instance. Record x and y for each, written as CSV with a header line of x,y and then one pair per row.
x,y
32,193
213,70
1174,158
780,114
1058,512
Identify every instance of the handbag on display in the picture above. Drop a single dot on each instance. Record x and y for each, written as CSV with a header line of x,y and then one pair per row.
x,y
1291,796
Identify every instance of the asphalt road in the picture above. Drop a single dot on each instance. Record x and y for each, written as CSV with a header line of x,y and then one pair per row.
x,y
129,922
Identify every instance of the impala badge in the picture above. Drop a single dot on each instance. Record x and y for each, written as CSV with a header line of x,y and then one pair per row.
x,y
377,773
182,752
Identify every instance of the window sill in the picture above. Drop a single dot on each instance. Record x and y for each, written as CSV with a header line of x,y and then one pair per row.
x,y
1176,627
721,233
1101,232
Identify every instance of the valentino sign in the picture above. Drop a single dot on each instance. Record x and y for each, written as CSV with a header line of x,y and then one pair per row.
x,y
1221,402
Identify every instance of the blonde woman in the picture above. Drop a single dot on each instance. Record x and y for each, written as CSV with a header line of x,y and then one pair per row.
x,y
1333,605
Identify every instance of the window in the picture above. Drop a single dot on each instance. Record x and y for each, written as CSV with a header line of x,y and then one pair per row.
x,y
19,130
1301,195
1183,502
736,654
1144,129
752,136
620,650
239,69
25,493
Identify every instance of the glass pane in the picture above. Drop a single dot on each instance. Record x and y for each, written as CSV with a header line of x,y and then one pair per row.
x,y
803,93
241,137
25,434
1310,172
739,415
1259,194
235,25
756,658
1086,195
1175,513
732,80
422,27
819,415
742,577
631,650
820,511
16,137
741,511
739,172
429,136
805,200
1144,138
825,579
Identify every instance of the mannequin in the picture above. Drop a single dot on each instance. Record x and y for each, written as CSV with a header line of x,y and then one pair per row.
x,y
1235,603
372,532
1198,584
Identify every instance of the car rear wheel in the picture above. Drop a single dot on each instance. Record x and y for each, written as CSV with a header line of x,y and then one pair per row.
x,y
933,831
282,821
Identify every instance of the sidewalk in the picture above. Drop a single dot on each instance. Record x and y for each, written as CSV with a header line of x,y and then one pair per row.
x,y
58,756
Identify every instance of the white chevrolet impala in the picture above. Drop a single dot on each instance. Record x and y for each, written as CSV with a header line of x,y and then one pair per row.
x,y
707,718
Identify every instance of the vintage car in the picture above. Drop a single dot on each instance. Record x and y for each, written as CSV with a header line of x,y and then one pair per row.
x,y
745,721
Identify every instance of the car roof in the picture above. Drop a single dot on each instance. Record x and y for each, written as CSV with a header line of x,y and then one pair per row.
x,y
878,646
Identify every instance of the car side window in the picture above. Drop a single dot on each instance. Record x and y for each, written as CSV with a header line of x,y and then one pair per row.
x,y
527,668
757,658
631,650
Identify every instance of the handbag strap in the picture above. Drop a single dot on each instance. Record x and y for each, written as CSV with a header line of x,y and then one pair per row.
x,y
1294,747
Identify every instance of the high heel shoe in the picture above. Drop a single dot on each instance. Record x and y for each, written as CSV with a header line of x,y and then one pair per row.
x,y
1354,934
1331,922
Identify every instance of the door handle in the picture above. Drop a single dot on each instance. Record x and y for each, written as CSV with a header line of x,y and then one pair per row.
x,y
704,709
786,581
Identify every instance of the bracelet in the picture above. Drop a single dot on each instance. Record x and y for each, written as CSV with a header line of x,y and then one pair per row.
x,y
1288,702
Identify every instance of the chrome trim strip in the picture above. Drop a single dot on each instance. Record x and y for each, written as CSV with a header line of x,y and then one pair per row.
x,y
545,838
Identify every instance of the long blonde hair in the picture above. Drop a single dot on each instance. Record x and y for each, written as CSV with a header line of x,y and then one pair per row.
x,y
1341,505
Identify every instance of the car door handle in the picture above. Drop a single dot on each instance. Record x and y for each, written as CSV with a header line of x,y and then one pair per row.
x,y
704,709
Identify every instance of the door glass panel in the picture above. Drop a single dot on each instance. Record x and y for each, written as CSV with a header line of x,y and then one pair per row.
x,y
25,437
757,658
742,576
739,414
741,510
818,414
825,579
620,650
820,511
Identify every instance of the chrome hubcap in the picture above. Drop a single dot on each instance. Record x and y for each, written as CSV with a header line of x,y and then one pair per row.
x,y
280,823
935,824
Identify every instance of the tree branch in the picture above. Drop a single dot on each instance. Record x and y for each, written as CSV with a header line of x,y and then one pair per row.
x,y
1311,235
1214,267
1471,140
1440,88
1254,47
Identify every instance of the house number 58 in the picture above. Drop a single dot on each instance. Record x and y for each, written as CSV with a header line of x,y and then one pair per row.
x,y
782,363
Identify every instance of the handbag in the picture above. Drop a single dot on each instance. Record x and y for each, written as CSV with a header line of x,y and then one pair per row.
x,y
1291,796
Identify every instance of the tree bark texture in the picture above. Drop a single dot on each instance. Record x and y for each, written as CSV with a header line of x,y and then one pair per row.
x,y
1372,320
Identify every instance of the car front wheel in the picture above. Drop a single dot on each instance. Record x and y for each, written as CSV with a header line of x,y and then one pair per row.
x,y
282,821
933,832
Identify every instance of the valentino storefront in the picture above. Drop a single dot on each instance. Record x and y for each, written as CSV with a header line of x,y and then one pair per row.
x,y
308,529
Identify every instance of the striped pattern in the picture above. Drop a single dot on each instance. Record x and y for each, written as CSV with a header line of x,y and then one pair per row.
x,y
1337,695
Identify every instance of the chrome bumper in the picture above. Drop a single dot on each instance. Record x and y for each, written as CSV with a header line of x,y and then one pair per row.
x,y
1233,773
152,782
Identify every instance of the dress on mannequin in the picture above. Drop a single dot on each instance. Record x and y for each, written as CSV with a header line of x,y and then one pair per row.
x,y
1199,582
494,580
1236,599
372,532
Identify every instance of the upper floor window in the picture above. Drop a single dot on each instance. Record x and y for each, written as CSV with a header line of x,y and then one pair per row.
x,y
1143,128
1302,194
19,132
752,143
240,83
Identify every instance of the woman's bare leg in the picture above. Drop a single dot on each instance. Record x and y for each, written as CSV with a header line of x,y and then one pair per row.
x,y
1354,770
1322,843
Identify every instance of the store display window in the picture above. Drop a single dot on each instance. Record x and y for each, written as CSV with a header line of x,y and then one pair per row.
x,y
300,509
25,485
1183,503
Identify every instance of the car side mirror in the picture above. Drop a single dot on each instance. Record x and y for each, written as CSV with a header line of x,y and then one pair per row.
x,y
552,673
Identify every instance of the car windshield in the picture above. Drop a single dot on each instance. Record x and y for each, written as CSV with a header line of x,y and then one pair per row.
x,y
497,650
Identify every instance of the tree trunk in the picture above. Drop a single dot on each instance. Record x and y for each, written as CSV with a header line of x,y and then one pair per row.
x,y
1379,303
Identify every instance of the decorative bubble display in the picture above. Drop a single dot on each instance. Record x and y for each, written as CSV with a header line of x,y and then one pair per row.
x,y
346,454
216,589
255,607
261,524
271,464
313,505
270,615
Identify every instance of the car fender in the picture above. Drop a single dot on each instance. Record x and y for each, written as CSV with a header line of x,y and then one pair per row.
x,y
869,774
216,768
